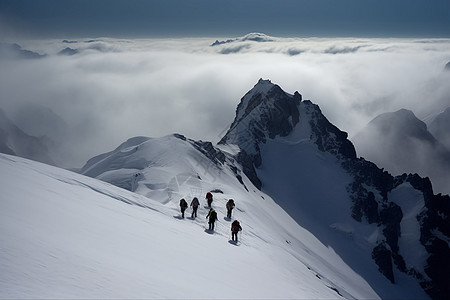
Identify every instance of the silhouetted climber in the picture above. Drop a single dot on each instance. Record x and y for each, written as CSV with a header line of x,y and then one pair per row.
x,y
230,205
235,228
212,215
183,206
209,197
194,205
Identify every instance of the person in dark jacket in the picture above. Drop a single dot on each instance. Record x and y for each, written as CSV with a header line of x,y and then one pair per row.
x,y
212,215
230,205
235,228
209,198
183,206
194,205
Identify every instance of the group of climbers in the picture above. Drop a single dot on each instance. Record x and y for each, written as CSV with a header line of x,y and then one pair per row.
x,y
212,214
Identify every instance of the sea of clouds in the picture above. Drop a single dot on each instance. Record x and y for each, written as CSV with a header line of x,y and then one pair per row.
x,y
108,90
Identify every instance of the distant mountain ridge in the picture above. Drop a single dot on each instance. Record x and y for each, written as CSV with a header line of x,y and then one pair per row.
x,y
287,148
439,126
401,143
16,142
14,51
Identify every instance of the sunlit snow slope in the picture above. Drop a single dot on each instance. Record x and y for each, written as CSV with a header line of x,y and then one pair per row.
x,y
64,235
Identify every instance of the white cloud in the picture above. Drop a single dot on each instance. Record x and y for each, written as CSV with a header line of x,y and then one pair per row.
x,y
115,89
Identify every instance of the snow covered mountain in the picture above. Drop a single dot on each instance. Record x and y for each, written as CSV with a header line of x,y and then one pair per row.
x,y
302,159
391,231
401,143
65,235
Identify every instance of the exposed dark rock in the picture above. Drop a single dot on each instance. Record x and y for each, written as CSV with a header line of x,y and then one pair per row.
x,y
434,225
214,154
382,256
391,216
248,168
438,269
179,136
327,136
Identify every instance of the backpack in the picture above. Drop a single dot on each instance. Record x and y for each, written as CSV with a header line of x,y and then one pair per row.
x,y
209,195
235,226
230,204
183,203
195,202
212,215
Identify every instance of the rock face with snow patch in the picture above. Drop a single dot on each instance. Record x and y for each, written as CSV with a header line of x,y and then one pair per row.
x,y
270,123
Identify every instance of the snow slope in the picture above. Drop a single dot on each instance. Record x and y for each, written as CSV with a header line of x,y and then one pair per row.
x,y
64,235
310,168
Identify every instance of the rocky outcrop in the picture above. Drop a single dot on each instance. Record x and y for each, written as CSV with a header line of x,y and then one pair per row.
x,y
267,112
263,113
382,257
434,236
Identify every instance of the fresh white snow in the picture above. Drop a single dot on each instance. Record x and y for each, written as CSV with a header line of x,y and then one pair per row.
x,y
64,235
412,204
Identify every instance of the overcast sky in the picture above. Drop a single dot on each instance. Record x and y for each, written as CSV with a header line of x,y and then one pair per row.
x,y
194,18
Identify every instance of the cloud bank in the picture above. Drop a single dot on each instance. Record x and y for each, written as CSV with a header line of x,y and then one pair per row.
x,y
108,90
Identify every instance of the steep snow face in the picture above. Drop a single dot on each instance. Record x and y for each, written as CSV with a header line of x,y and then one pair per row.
x,y
401,143
311,170
64,235
312,187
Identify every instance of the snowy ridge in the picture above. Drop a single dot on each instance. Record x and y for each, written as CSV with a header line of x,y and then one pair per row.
x,y
90,245
311,170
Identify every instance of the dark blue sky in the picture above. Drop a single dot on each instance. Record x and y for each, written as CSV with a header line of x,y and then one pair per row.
x,y
193,18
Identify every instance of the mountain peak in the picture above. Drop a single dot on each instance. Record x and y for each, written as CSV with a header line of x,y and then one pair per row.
x,y
264,81
402,121
264,112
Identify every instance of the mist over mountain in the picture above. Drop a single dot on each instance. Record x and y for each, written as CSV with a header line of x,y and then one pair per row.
x,y
15,141
15,51
447,66
401,143
284,147
119,88
439,126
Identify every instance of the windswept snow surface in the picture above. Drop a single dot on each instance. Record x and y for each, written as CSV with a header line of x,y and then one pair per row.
x,y
64,235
